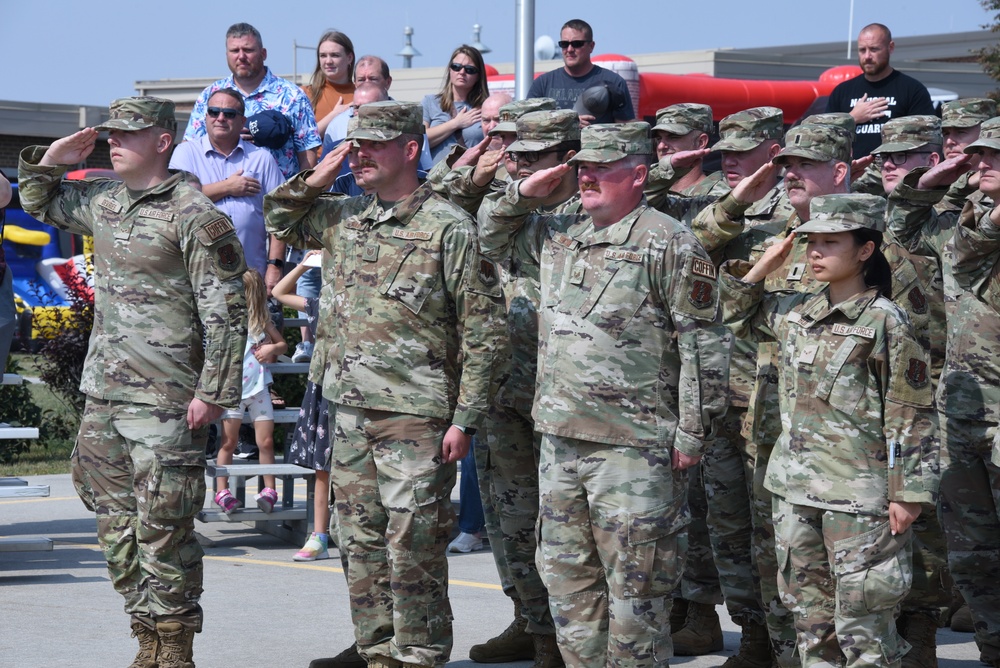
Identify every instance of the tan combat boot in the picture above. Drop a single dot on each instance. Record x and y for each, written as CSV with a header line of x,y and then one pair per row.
x,y
176,643
755,648
513,644
920,630
149,642
702,632
546,651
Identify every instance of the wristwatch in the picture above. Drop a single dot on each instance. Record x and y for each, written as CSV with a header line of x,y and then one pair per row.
x,y
277,262
468,431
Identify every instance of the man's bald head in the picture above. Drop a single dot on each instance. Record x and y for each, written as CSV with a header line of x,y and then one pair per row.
x,y
367,93
491,110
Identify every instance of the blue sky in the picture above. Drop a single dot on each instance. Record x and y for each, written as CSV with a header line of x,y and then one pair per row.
x,y
73,52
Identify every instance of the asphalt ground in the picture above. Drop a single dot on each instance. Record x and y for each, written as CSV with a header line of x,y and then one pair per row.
x,y
58,609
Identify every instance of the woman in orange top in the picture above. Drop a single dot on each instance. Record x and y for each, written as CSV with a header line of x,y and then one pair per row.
x,y
331,88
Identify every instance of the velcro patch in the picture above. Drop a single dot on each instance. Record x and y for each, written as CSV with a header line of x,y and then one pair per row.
x,y
109,204
627,256
229,259
916,373
218,228
422,235
156,214
856,330
918,301
701,294
354,224
565,240
703,268
487,272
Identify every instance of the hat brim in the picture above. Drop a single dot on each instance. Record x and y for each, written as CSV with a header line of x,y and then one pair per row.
x,y
673,128
826,227
963,123
373,134
533,144
799,152
125,125
504,127
981,143
598,155
896,146
737,144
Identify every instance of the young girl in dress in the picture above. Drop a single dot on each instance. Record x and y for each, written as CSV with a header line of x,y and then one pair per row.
x,y
264,344
311,443
855,398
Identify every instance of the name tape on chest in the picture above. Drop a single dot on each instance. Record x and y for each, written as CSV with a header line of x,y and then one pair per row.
x,y
156,214
410,235
855,330
627,256
703,268
354,224
109,204
219,228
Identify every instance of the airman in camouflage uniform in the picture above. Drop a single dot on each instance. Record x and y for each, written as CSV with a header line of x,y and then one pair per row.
x,y
960,123
544,139
683,127
417,320
165,358
968,395
628,384
847,473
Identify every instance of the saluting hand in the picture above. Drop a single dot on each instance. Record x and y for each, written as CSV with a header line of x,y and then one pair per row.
x,y
328,169
859,166
945,172
772,258
543,182
684,159
72,149
755,186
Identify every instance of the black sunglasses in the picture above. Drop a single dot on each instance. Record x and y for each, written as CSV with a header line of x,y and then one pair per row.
x,y
575,43
897,158
228,113
469,69
530,157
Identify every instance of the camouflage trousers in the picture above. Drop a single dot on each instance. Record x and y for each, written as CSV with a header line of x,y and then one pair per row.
x,y
930,565
700,579
727,469
842,575
491,523
608,549
394,514
513,467
970,513
142,471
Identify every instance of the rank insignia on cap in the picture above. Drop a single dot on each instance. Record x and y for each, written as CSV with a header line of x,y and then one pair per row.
x,y
701,294
916,373
229,259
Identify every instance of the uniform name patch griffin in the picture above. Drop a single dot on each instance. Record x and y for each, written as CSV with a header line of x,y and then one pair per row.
x,y
857,330
156,214
219,228
422,235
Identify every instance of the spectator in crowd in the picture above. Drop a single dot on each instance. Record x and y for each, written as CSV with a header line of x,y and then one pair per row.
x,y
452,116
331,87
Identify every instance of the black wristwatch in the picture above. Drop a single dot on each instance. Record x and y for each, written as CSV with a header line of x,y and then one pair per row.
x,y
277,262
468,431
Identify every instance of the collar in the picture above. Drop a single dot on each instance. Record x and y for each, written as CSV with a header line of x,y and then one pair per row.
x,y
264,85
207,147
615,234
403,211
818,307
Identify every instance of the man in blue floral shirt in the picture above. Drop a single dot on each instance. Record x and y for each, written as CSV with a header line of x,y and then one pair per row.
x,y
262,91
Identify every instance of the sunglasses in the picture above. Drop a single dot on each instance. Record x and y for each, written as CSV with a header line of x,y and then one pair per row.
x,y
469,69
530,157
897,158
230,114
575,43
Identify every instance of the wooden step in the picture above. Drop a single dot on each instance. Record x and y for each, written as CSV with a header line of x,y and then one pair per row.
x,y
26,544
281,416
250,469
24,491
254,515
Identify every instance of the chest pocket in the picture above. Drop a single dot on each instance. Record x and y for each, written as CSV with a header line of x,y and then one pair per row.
x,y
558,256
844,380
406,279
615,298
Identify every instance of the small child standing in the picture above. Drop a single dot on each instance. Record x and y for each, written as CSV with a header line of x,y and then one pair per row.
x,y
264,344
311,444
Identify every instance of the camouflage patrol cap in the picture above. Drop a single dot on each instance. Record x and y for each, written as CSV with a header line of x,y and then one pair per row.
x,y
967,112
539,130
843,213
908,133
746,130
384,121
841,119
989,137
510,112
611,142
138,113
680,119
816,142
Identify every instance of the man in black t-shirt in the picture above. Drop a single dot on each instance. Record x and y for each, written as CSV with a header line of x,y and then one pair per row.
x,y
578,73
880,93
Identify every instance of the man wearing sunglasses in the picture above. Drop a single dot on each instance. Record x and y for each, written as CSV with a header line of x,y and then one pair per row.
x,y
235,175
578,73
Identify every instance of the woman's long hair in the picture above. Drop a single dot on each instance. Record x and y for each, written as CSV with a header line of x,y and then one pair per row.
x,y
480,90
318,80
876,271
256,295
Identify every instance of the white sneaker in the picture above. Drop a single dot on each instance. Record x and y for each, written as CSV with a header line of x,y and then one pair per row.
x,y
466,542
303,352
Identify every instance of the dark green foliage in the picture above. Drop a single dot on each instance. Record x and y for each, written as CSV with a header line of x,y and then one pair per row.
x,y
18,409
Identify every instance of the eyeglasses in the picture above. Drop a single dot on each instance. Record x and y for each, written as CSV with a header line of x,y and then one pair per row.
x,y
530,157
897,158
469,69
228,113
575,43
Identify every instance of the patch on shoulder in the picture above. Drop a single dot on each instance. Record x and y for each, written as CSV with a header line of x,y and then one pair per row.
x,y
487,273
916,373
701,294
704,268
218,228
918,301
